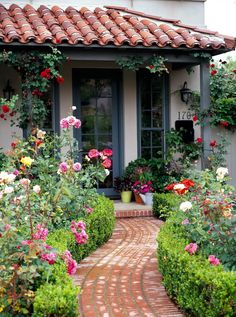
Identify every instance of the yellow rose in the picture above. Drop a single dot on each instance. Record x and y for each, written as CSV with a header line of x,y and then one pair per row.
x,y
27,161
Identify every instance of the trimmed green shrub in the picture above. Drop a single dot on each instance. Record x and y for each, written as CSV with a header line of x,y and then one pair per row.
x,y
198,288
59,296
165,204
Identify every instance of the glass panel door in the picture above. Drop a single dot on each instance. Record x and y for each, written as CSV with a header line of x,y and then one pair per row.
x,y
96,97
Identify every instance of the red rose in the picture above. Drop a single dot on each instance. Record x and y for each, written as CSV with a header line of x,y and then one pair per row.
x,y
106,163
37,92
188,182
213,72
199,140
12,114
38,142
213,65
46,73
151,66
13,144
195,118
234,71
60,80
224,123
170,186
2,115
107,152
5,108
213,143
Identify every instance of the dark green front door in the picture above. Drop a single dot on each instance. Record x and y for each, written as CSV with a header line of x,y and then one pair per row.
x,y
95,95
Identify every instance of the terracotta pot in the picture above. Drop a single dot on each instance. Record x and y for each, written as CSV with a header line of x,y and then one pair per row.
x,y
138,199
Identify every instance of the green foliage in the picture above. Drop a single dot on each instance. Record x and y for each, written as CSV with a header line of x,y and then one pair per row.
x,y
199,288
130,62
99,227
57,297
35,83
222,109
164,205
156,64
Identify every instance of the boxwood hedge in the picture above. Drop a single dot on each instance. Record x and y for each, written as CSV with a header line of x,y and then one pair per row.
x,y
165,204
58,297
198,288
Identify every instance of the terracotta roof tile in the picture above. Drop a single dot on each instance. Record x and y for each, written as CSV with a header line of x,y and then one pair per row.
x,y
113,25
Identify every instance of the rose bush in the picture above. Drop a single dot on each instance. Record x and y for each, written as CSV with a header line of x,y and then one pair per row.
x,y
42,189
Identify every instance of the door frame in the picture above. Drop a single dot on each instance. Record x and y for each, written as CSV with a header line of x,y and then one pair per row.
x,y
117,114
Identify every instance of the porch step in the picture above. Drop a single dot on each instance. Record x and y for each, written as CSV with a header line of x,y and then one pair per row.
x,y
132,210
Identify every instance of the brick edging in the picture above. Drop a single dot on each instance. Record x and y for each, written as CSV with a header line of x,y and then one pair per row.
x,y
133,213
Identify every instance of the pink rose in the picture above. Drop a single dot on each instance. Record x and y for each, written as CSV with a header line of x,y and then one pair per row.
x,y
25,182
7,227
106,163
63,167
41,233
70,262
77,124
191,248
64,123
71,120
213,260
49,257
77,167
93,153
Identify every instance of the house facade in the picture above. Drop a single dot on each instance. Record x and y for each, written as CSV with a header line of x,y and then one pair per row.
x,y
125,110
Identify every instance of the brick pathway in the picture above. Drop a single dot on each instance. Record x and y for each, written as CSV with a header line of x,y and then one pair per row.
x,y
121,279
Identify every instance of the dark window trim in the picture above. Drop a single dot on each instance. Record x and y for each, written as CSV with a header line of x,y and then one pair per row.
x,y
166,110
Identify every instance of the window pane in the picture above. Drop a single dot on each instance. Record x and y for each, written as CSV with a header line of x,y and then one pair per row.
x,y
104,106
104,124
87,89
145,95
104,141
104,88
146,119
146,138
88,124
88,142
156,138
146,153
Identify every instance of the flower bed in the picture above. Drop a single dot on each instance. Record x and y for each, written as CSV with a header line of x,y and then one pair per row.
x,y
59,297
196,246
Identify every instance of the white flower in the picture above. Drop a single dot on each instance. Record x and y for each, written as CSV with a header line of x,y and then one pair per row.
x,y
73,108
41,134
107,171
1,194
185,206
10,178
8,190
221,172
179,186
3,176
36,189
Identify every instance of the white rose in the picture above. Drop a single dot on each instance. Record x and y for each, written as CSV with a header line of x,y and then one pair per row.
x,y
179,186
185,206
3,176
10,178
73,108
41,134
8,190
221,172
107,171
36,189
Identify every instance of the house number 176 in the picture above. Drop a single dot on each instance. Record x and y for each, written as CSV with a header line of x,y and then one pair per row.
x,y
184,115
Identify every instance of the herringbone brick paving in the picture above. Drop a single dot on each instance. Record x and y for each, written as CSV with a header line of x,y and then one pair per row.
x,y
121,279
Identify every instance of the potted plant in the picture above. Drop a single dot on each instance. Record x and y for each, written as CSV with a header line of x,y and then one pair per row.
x,y
123,185
144,190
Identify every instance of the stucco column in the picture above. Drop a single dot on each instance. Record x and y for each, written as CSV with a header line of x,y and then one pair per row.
x,y
130,117
204,104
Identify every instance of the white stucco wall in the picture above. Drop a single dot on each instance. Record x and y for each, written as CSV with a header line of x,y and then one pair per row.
x,y
8,133
188,11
